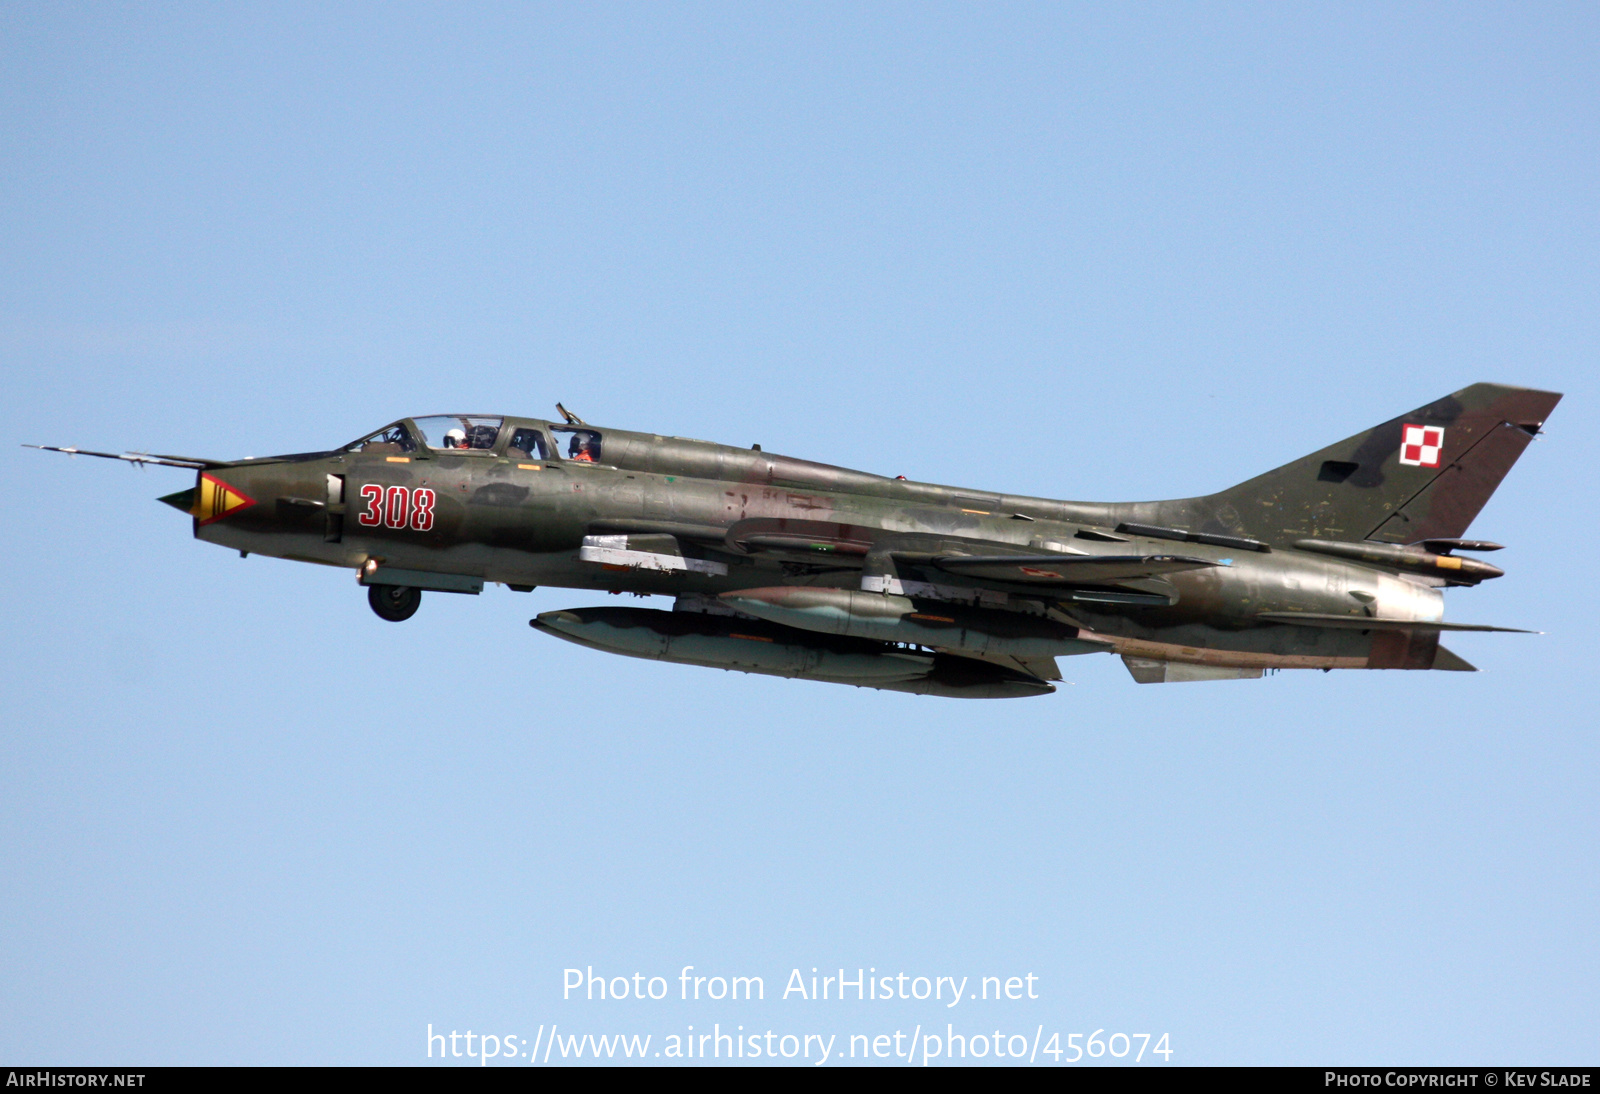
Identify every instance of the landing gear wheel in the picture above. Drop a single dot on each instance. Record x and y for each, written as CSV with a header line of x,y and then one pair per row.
x,y
396,603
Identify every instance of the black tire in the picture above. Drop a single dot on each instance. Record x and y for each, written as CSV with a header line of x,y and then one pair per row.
x,y
396,603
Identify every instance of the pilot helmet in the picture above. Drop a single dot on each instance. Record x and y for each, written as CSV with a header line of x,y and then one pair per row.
x,y
455,438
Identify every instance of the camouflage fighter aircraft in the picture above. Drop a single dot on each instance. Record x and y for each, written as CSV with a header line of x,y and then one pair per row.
x,y
785,567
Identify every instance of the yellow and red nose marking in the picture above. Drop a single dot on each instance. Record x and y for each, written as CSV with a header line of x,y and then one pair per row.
x,y
215,499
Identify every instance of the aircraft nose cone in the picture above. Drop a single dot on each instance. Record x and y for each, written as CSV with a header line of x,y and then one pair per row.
x,y
183,501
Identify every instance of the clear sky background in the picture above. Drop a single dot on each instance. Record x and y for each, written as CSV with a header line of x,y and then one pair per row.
x,y
1094,252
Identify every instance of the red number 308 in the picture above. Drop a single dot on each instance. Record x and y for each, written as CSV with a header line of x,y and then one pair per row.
x,y
396,507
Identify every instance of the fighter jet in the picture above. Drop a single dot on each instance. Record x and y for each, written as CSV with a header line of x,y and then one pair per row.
x,y
784,567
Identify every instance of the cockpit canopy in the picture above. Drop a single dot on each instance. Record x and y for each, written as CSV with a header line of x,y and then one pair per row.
x,y
481,433
440,432
584,444
458,431
391,438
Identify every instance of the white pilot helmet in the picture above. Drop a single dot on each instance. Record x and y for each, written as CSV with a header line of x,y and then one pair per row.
x,y
455,438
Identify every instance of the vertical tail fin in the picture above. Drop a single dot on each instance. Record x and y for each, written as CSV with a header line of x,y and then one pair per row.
x,y
1423,475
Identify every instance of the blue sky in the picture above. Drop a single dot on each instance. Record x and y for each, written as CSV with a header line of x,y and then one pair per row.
x,y
1076,251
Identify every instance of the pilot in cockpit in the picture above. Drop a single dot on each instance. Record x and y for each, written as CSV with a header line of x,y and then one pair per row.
x,y
455,438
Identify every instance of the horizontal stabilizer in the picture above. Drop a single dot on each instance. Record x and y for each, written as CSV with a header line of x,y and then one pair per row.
x,y
1367,623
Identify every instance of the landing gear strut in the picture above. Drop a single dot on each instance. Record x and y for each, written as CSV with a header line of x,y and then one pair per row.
x,y
396,603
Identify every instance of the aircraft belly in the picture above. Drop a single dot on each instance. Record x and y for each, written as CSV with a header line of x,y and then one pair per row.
x,y
568,569
469,559
298,547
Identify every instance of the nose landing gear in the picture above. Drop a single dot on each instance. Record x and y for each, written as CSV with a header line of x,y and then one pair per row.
x,y
396,603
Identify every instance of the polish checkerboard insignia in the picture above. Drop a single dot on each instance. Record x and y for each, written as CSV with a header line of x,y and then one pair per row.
x,y
1420,445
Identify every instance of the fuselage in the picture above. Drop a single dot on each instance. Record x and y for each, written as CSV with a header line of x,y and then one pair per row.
x,y
533,503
